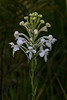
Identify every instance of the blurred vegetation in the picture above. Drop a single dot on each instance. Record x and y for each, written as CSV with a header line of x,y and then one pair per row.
x,y
51,77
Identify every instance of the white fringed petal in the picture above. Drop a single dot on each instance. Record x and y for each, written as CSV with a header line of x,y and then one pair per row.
x,y
12,44
15,49
49,45
45,58
42,53
30,55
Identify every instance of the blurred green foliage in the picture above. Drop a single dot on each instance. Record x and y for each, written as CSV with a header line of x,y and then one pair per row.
x,y
50,77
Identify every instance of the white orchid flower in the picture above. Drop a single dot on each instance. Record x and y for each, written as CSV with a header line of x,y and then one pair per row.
x,y
20,42
15,47
44,54
50,41
17,34
30,51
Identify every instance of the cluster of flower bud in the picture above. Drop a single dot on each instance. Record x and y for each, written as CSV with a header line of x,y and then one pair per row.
x,y
31,45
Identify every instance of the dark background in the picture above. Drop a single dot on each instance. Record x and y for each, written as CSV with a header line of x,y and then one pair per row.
x,y
51,77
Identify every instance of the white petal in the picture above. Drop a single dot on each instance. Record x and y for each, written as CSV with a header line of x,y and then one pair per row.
x,y
46,50
49,45
27,51
42,54
15,49
30,48
11,43
45,58
50,37
34,51
42,40
30,55
19,42
54,40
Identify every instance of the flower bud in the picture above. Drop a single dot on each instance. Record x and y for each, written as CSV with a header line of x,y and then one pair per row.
x,y
30,15
48,24
42,21
40,16
35,31
26,23
34,18
16,34
35,14
26,17
21,23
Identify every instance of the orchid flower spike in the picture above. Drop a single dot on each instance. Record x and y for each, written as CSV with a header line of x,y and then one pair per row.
x,y
31,44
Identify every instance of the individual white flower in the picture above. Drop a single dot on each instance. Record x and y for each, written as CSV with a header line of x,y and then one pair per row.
x,y
30,51
15,47
50,41
44,54
20,41
17,34
50,37
35,31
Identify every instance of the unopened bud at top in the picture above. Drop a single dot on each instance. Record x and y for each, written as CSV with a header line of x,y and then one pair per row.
x,y
48,24
40,16
35,14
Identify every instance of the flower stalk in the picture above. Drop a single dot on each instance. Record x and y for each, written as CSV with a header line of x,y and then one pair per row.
x,y
32,78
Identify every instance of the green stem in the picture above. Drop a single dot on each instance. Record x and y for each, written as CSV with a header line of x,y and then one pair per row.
x,y
32,78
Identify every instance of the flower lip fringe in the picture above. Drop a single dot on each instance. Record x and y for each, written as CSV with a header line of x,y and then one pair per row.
x,y
31,45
